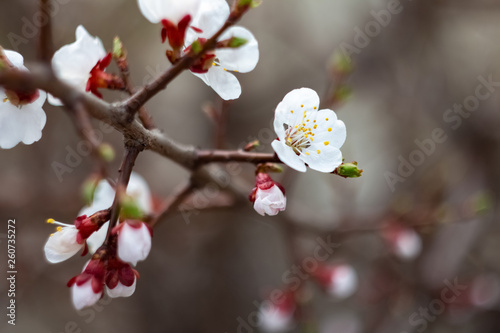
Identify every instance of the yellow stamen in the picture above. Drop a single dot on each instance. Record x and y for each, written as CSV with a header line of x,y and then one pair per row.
x,y
302,105
327,143
307,153
5,100
319,151
315,126
329,130
326,119
291,111
50,221
59,228
315,108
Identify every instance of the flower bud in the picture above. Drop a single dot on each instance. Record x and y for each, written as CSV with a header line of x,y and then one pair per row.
x,y
134,241
268,196
348,170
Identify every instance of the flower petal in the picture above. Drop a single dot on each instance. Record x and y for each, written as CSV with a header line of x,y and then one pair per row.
x,y
62,245
21,124
84,295
121,291
287,156
97,238
242,59
330,128
172,10
225,84
322,158
210,18
270,201
134,244
73,62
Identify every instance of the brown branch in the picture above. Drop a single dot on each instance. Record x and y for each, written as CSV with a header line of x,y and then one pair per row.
x,y
226,156
132,150
45,44
171,203
81,120
134,103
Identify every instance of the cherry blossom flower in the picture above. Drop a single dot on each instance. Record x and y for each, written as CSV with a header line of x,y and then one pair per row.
x,y
104,195
121,279
87,288
340,281
215,67
21,115
278,316
70,238
268,196
134,241
74,62
404,242
306,135
174,15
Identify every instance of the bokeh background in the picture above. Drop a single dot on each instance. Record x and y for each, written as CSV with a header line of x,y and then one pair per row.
x,y
206,273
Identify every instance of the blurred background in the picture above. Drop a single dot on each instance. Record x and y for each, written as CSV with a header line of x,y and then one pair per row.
x,y
416,237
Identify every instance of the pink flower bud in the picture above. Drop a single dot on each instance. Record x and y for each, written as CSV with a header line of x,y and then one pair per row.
x,y
278,316
268,196
340,281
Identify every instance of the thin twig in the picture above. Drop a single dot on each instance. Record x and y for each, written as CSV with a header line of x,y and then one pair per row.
x,y
171,203
212,156
81,120
131,153
45,44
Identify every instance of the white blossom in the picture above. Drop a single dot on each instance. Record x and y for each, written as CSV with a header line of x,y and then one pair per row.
x,y
307,135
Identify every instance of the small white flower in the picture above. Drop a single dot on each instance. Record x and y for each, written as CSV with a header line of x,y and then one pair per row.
x,y
73,63
62,244
134,242
275,318
84,295
307,135
20,123
343,281
269,201
243,59
172,10
407,244
104,195
121,290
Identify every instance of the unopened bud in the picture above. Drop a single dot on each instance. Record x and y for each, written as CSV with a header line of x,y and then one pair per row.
x,y
196,47
233,42
341,63
348,170
88,188
252,145
269,167
118,50
130,209
106,152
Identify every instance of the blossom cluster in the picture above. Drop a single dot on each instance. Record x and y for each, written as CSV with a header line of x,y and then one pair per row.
x,y
201,31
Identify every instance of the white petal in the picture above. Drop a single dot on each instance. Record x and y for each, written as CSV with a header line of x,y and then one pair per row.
x,y
287,156
210,18
15,58
54,101
326,160
331,130
121,291
97,238
84,295
62,245
225,84
134,244
104,195
242,59
21,124
73,62
172,10
138,189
